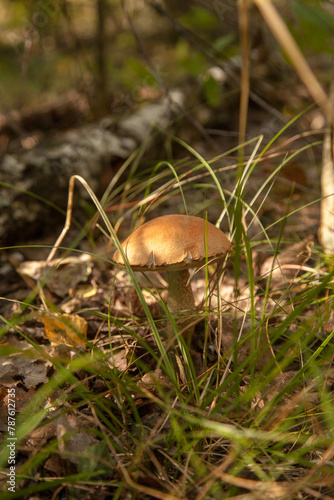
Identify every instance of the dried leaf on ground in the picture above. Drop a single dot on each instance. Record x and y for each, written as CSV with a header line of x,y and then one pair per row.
x,y
119,360
22,398
154,380
245,349
287,263
61,275
25,366
73,437
66,329
41,435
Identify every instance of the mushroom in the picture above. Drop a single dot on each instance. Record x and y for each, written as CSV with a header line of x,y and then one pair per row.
x,y
174,243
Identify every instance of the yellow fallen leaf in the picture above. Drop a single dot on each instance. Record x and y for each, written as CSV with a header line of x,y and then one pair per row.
x,y
85,291
66,329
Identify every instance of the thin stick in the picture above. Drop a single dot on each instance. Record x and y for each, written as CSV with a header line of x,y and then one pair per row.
x,y
245,51
69,212
288,44
67,221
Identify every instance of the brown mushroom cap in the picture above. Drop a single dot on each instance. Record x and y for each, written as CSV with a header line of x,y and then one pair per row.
x,y
173,242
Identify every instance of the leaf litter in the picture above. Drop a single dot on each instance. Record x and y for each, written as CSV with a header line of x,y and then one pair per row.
x,y
25,370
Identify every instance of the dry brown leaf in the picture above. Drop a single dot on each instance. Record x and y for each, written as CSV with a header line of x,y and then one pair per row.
x,y
39,437
245,350
8,371
25,365
73,437
55,465
154,380
119,360
68,329
287,263
61,275
22,398
32,371
136,306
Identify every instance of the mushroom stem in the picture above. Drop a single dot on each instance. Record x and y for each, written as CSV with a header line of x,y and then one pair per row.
x,y
180,299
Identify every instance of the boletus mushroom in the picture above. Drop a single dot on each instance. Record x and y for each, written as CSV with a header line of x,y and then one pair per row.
x,y
175,243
